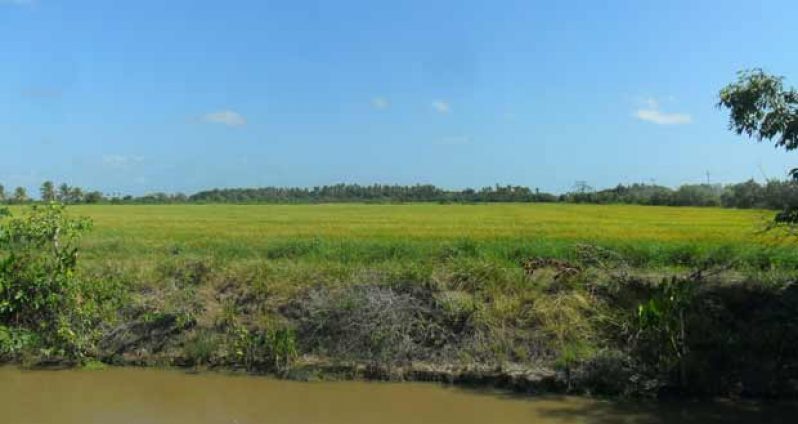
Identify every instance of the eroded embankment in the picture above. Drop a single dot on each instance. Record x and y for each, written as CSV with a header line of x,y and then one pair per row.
x,y
601,329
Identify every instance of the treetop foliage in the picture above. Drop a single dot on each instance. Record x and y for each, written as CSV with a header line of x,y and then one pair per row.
x,y
761,107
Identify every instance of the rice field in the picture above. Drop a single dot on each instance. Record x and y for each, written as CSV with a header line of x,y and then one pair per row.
x,y
371,233
392,285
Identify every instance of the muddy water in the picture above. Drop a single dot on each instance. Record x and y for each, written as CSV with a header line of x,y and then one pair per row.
x,y
139,396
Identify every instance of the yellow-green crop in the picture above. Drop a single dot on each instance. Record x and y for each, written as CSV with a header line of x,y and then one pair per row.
x,y
361,232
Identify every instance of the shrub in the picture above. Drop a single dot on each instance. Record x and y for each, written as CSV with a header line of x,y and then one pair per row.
x,y
663,325
13,342
39,290
273,349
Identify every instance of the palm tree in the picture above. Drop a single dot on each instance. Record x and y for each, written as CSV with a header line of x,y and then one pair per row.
x,y
47,191
20,195
63,192
75,195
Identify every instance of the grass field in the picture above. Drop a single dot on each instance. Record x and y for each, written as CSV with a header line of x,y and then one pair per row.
x,y
373,233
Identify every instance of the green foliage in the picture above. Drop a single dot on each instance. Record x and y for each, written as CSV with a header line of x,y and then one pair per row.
x,y
93,365
202,348
744,195
47,191
39,292
456,304
20,195
370,193
283,347
14,342
662,324
273,348
568,321
761,107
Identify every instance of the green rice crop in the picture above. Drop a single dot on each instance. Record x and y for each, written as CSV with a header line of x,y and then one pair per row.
x,y
366,233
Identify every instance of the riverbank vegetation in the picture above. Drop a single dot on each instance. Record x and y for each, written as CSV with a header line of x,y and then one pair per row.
x,y
310,292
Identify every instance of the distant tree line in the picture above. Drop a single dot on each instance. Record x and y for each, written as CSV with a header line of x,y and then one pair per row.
x,y
773,194
372,193
48,192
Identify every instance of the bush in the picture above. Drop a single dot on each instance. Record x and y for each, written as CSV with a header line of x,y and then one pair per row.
x,y
39,291
13,342
270,349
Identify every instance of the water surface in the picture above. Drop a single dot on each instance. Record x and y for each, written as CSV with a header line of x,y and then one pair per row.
x,y
146,396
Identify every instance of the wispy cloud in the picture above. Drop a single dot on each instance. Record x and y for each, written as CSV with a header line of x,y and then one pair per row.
x,y
651,112
120,161
662,118
441,106
380,103
229,118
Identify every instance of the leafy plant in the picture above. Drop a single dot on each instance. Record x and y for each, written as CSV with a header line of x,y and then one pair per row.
x,y
663,325
39,291
272,348
14,341
761,107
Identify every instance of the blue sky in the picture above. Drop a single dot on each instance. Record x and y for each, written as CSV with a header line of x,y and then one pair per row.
x,y
181,95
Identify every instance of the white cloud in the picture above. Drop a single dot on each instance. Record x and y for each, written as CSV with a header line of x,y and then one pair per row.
x,y
120,161
230,118
661,118
441,106
380,103
651,113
